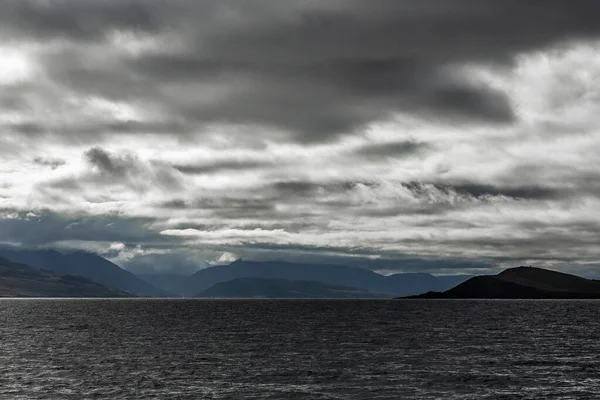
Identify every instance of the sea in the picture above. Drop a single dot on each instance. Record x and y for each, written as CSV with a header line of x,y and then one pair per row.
x,y
299,349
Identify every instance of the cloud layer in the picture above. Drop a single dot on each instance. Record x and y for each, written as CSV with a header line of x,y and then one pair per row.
x,y
435,130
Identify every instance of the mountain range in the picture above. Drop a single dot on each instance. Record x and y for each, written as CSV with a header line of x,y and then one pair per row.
x,y
79,274
99,270
404,284
285,289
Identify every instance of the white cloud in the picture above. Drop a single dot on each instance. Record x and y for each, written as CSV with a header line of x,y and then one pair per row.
x,y
16,66
227,258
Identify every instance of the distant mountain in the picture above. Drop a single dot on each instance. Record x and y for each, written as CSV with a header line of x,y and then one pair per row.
x,y
18,280
167,282
395,285
283,288
523,283
86,265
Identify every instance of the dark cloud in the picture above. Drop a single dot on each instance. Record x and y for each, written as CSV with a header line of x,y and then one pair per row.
x,y
46,228
289,190
219,166
517,192
222,204
105,162
483,191
170,127
394,150
49,162
572,182
316,70
77,20
27,128
64,185
177,204
296,188
541,246
472,103
128,169
95,130
421,198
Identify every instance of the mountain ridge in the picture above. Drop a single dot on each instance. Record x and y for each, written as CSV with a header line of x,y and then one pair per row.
x,y
87,265
19,280
252,287
396,285
522,283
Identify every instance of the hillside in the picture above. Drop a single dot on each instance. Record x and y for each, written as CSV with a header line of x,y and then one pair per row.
x,y
283,288
86,265
522,283
395,285
18,280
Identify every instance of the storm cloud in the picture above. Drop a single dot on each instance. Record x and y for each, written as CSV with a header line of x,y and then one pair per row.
x,y
431,130
315,71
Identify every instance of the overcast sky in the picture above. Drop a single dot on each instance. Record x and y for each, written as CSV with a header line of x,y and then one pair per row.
x,y
170,134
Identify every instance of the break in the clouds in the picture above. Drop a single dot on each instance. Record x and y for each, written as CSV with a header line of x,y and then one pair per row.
x,y
200,131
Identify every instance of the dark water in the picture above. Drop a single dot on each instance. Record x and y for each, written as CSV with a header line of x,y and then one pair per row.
x,y
209,349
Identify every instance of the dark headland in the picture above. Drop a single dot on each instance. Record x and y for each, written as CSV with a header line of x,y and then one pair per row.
x,y
521,283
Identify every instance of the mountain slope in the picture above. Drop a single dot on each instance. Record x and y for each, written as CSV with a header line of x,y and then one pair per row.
x,y
523,283
398,284
283,288
18,280
86,265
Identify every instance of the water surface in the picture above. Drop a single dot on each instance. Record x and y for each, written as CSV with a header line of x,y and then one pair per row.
x,y
299,349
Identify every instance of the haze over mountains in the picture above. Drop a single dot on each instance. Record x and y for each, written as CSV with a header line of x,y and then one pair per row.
x,y
166,282
286,289
104,272
405,284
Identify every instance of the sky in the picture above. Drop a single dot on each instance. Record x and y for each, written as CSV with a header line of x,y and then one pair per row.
x,y
438,136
